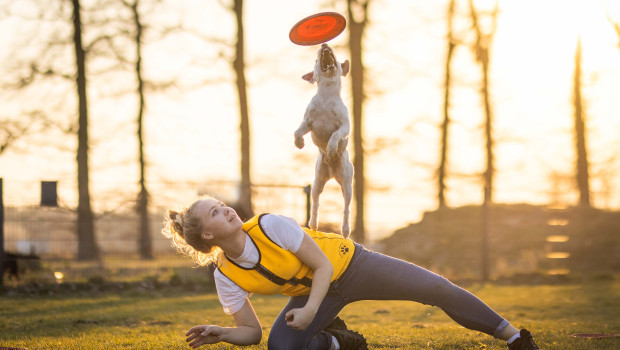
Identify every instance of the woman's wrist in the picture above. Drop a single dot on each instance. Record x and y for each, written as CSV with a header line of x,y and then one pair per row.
x,y
224,335
311,309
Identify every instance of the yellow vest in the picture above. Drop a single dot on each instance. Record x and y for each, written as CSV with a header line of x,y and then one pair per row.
x,y
279,271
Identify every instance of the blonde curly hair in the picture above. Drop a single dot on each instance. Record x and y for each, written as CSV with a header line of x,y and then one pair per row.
x,y
184,228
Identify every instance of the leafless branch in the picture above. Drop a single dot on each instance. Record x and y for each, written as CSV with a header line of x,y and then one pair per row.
x,y
12,130
616,26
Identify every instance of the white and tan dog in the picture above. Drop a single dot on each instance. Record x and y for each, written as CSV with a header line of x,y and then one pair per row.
x,y
327,119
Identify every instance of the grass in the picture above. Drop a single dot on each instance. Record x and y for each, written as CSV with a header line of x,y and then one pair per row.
x,y
139,318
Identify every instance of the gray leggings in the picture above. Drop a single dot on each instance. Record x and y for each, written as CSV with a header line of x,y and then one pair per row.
x,y
374,276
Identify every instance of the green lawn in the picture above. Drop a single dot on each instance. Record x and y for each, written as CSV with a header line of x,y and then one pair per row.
x,y
157,319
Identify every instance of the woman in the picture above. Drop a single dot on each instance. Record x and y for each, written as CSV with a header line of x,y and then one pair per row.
x,y
322,272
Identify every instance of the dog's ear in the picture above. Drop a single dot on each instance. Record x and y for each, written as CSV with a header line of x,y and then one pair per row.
x,y
309,77
345,68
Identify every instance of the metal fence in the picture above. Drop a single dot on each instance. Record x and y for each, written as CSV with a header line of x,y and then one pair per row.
x,y
38,232
38,228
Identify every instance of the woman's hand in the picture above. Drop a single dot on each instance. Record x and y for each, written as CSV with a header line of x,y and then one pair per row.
x,y
206,334
247,331
312,256
299,319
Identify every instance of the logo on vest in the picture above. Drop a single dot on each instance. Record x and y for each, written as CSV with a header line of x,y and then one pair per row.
x,y
343,249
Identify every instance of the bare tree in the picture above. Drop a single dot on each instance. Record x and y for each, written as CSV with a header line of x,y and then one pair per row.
x,y
582,174
12,130
244,205
144,239
126,60
482,51
443,156
617,28
357,20
51,63
87,247
616,25
239,65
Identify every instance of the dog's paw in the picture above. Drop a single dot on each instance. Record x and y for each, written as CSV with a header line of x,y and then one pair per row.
x,y
299,142
313,223
345,230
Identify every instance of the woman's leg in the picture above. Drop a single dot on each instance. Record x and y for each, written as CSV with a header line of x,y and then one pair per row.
x,y
374,276
314,337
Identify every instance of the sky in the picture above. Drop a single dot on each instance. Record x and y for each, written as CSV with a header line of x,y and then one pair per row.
x,y
192,134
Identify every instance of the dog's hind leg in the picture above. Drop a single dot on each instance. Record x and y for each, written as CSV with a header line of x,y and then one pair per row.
x,y
347,194
344,176
321,175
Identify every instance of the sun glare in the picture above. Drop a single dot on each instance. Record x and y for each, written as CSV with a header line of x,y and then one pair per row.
x,y
531,76
550,25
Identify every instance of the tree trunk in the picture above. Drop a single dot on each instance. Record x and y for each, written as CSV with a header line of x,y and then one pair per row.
x,y
488,133
1,235
616,26
481,48
245,198
583,181
443,157
482,56
142,207
358,8
87,247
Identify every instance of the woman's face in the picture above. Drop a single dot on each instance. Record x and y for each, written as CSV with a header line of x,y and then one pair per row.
x,y
218,219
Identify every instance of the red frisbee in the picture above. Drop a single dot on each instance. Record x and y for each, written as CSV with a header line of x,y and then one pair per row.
x,y
317,29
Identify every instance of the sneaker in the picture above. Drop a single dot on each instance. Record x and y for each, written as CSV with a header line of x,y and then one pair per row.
x,y
337,324
524,342
349,340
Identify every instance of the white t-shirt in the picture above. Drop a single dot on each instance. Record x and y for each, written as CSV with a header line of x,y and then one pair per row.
x,y
284,231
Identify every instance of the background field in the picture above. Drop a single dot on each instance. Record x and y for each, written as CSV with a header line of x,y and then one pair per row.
x,y
151,315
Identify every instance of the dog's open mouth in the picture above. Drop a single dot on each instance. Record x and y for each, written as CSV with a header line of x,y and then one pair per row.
x,y
328,61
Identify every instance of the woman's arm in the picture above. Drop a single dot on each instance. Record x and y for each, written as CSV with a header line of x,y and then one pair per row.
x,y
311,255
247,332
